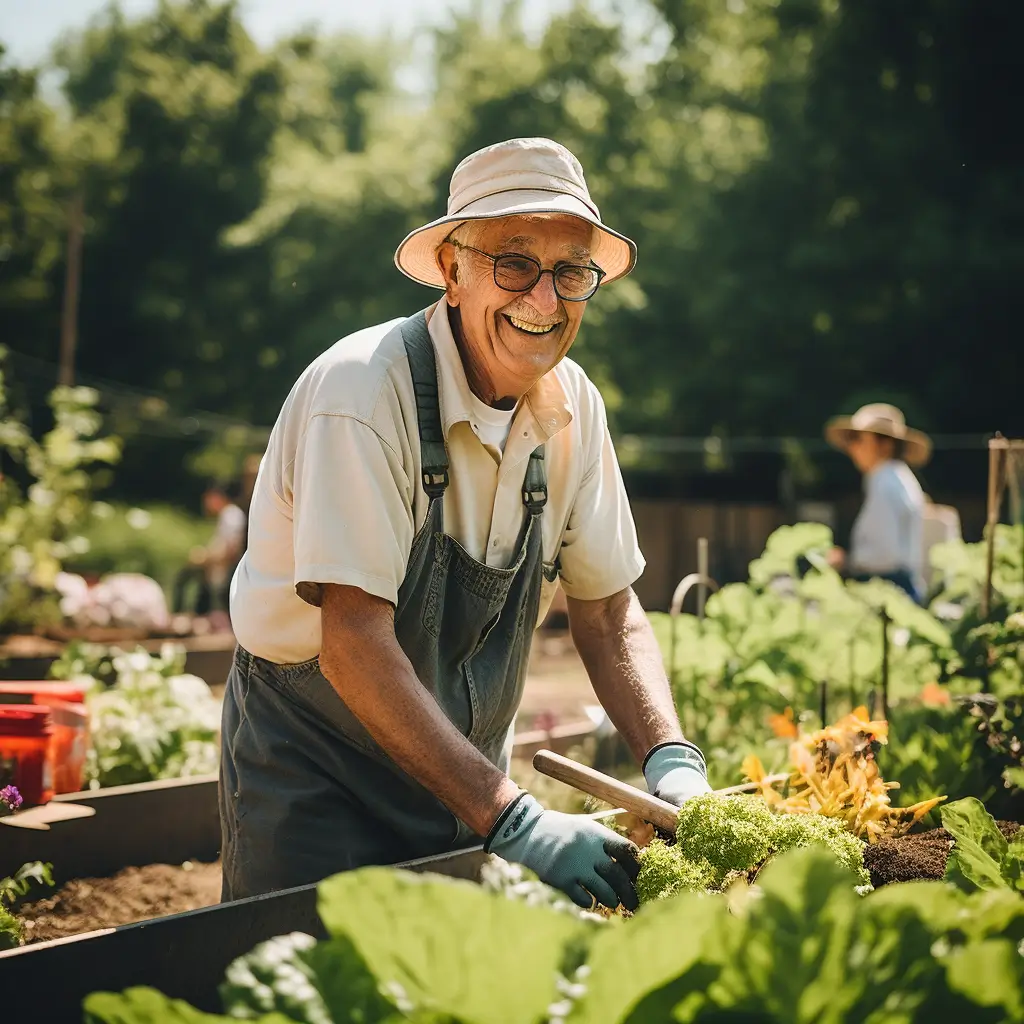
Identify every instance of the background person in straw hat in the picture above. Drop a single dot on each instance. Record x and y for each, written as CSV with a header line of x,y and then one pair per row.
x,y
886,540
426,484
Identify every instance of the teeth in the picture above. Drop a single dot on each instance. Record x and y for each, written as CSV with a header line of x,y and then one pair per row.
x,y
530,328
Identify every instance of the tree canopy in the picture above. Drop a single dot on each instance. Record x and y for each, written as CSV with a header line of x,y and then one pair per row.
x,y
827,196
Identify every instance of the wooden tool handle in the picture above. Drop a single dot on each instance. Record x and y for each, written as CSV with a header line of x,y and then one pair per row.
x,y
658,812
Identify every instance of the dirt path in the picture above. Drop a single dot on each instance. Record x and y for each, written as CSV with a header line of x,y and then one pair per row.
x,y
556,682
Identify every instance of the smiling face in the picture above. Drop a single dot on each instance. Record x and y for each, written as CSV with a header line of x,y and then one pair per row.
x,y
509,340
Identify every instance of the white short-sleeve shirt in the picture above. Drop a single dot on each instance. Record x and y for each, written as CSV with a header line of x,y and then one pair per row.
x,y
338,498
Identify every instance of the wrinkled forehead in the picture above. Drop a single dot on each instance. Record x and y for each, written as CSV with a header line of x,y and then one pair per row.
x,y
556,236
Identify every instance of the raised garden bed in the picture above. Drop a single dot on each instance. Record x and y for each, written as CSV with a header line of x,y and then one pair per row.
x,y
133,894
184,955
167,822
209,657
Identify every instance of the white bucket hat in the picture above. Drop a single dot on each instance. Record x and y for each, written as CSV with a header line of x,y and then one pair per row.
x,y
521,176
880,418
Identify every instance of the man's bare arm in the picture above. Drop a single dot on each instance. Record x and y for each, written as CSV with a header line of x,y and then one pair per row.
x,y
361,658
622,658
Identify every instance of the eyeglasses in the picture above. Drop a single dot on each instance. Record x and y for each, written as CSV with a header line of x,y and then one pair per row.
x,y
514,272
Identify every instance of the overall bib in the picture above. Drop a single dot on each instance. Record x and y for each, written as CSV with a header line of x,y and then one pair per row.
x,y
304,790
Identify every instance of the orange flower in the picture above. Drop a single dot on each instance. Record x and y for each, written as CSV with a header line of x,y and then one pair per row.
x,y
783,725
934,695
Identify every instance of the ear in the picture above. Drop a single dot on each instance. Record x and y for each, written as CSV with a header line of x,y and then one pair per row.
x,y
448,264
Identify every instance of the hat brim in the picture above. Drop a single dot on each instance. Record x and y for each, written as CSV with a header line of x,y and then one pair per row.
x,y
917,446
416,257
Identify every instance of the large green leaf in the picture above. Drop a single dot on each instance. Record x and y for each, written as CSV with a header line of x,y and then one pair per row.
x,y
990,974
974,862
450,947
659,948
147,1006
1012,865
346,985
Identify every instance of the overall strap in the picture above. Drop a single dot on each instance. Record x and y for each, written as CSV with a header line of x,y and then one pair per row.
x,y
422,365
535,486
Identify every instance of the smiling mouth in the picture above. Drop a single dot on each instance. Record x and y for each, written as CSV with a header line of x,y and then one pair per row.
x,y
527,327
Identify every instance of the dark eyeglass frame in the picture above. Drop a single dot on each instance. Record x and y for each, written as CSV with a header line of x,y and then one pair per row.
x,y
554,271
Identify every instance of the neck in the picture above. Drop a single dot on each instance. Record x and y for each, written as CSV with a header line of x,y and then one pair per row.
x,y
487,390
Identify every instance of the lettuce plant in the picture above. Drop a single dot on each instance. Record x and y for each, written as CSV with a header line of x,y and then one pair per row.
x,y
800,947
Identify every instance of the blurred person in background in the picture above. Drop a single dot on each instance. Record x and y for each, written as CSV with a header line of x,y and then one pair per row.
x,y
211,567
886,541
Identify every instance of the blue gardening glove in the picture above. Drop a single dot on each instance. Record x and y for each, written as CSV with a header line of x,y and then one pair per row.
x,y
570,852
676,771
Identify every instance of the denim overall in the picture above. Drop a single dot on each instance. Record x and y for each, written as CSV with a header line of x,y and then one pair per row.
x,y
304,790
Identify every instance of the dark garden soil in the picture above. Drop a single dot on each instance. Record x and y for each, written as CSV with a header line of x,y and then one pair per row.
x,y
922,855
134,894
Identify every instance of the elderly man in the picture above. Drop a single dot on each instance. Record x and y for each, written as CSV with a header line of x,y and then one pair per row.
x,y
427,482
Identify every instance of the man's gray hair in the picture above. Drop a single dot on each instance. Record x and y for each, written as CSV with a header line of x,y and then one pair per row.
x,y
465,233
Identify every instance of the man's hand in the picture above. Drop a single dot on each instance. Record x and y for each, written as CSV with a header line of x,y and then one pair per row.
x,y
675,772
573,853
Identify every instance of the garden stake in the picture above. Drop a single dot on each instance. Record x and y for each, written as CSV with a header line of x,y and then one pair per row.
x,y
823,704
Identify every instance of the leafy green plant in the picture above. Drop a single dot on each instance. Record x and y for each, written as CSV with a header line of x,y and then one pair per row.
x,y
768,645
12,889
800,947
961,568
982,857
151,721
42,527
720,838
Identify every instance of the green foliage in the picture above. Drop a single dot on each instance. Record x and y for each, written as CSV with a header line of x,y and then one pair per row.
x,y
767,645
981,857
666,870
800,948
721,837
794,831
732,832
961,568
248,201
273,977
12,889
42,527
152,721
783,549
151,539
441,977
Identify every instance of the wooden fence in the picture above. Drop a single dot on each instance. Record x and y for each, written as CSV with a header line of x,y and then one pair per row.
x,y
668,532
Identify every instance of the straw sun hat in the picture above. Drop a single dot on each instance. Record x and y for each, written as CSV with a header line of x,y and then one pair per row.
x,y
521,176
883,419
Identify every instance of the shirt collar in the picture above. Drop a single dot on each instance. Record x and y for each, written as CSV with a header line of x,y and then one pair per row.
x,y
546,401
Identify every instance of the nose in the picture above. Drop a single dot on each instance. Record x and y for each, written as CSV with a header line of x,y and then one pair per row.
x,y
542,295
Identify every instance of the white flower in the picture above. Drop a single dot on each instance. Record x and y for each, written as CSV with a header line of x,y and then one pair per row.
x,y
138,518
42,496
21,561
